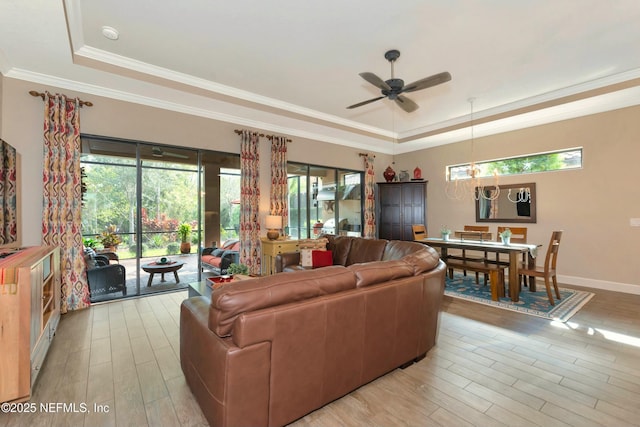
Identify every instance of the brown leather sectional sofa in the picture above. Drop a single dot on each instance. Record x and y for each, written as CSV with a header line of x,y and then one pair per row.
x,y
267,351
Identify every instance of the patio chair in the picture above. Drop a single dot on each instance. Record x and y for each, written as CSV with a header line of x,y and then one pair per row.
x,y
104,277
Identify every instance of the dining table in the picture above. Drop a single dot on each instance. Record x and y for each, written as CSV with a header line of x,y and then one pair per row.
x,y
514,250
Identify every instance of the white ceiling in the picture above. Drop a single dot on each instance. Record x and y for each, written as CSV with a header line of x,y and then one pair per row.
x,y
291,66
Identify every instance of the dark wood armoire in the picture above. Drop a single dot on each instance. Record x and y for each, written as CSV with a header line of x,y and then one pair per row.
x,y
400,205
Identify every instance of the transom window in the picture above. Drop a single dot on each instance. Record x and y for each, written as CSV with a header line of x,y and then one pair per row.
x,y
531,163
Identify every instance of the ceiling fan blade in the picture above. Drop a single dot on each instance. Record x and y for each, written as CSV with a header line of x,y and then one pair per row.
x,y
375,80
360,104
434,80
406,104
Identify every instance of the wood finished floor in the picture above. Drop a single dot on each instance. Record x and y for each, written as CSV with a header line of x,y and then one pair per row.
x,y
491,367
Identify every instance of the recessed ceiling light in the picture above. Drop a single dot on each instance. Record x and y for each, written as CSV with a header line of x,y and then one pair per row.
x,y
110,33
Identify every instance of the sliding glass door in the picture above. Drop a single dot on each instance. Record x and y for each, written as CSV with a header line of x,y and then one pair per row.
x,y
324,201
161,205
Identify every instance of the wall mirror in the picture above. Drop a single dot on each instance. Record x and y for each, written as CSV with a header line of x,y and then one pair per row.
x,y
515,203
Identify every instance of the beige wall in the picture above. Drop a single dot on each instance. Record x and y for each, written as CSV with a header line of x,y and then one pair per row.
x,y
113,118
592,205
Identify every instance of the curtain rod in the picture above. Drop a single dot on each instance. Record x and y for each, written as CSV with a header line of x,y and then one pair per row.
x,y
238,131
366,155
42,95
269,137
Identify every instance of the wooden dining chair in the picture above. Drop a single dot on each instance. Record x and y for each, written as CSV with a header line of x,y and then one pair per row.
x,y
473,258
548,270
518,235
419,231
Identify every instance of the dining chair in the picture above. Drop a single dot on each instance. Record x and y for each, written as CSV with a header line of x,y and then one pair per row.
x,y
518,235
548,270
419,231
473,258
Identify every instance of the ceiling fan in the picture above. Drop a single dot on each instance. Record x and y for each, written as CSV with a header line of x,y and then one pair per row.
x,y
393,88
159,152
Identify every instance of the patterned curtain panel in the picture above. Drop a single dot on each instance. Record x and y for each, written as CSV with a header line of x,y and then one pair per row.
x,y
279,200
369,198
249,201
61,218
8,222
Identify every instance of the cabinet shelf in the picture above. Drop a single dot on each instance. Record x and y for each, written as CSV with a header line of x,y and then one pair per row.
x,y
31,314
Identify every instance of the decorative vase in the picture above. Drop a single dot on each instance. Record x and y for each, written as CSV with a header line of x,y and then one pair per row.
x,y
389,174
403,176
445,237
417,173
505,240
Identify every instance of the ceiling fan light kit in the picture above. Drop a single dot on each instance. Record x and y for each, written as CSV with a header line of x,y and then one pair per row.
x,y
393,88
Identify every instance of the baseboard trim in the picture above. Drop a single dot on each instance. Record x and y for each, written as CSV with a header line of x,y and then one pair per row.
x,y
626,288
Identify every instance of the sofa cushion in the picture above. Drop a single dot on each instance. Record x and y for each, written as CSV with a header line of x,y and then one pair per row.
x,y
339,246
370,273
217,252
211,260
365,250
423,260
396,249
229,301
231,245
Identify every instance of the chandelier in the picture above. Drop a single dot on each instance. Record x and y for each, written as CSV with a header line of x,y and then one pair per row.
x,y
471,187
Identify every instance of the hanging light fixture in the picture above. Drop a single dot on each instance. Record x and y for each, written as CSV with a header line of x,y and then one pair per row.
x,y
471,187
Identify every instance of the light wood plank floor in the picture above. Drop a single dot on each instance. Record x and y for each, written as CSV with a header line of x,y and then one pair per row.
x,y
490,367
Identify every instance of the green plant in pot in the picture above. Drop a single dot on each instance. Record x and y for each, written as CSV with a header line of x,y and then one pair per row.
x,y
237,269
109,239
505,236
445,233
184,231
90,242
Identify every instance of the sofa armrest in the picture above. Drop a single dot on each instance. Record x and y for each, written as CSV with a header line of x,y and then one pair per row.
x,y
230,384
229,257
286,259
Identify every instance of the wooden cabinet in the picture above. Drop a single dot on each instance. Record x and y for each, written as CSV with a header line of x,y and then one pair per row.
x,y
400,205
271,248
29,316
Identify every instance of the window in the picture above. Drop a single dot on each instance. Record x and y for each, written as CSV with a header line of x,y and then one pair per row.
x,y
323,200
229,204
531,163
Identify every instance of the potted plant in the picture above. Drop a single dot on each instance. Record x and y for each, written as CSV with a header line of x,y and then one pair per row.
x,y
184,231
505,236
445,232
109,239
234,269
90,242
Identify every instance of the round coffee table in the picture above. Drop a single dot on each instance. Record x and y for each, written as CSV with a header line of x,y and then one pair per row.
x,y
170,267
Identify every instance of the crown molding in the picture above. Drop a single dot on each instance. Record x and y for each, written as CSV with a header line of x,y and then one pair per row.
x,y
205,87
331,136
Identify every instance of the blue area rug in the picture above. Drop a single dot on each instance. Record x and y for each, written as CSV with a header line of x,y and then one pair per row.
x,y
533,303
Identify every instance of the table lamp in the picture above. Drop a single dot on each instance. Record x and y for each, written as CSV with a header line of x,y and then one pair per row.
x,y
273,224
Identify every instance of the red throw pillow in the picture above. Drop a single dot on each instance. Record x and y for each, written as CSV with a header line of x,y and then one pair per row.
x,y
321,258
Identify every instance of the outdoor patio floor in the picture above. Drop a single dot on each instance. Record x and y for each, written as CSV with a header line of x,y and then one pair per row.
x,y
187,274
